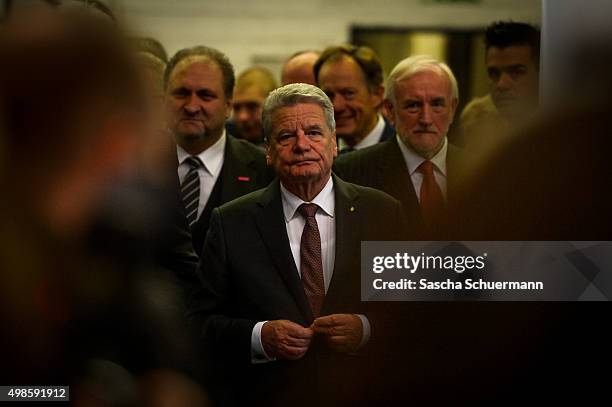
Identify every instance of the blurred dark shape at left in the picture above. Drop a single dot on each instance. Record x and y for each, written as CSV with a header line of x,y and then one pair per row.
x,y
87,242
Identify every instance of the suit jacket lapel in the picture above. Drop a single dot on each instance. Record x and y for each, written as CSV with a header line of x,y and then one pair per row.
x,y
271,224
396,174
237,175
388,131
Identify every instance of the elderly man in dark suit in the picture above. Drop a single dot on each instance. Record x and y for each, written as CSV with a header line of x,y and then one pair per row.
x,y
280,300
418,166
214,167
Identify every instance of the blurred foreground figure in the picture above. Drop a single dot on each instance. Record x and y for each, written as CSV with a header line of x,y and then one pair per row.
x,y
552,182
83,300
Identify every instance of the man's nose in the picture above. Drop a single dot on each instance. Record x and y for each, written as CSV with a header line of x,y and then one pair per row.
x,y
192,105
505,81
241,115
339,103
302,142
426,115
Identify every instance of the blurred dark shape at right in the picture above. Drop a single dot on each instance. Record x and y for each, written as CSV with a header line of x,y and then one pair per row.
x,y
549,182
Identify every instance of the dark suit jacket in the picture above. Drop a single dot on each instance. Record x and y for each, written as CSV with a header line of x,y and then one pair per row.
x,y
248,275
244,170
388,132
383,167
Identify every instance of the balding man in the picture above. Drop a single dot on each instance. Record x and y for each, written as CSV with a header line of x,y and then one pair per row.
x,y
299,68
252,87
213,166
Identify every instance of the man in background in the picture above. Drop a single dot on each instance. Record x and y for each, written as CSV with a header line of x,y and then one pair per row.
x,y
352,77
252,87
418,166
512,61
213,166
299,68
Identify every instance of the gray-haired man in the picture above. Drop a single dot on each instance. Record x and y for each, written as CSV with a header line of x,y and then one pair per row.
x,y
280,304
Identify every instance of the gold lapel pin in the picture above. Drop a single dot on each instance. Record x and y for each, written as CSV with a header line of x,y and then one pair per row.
x,y
352,209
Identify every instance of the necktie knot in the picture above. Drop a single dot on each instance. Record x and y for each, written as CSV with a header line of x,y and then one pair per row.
x,y
426,168
194,162
308,210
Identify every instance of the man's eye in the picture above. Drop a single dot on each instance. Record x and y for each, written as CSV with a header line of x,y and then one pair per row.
x,y
517,72
348,93
494,75
412,106
284,139
206,95
180,92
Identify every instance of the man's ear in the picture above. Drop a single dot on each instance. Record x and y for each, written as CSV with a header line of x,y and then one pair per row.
x,y
377,95
229,105
268,155
334,144
454,104
388,106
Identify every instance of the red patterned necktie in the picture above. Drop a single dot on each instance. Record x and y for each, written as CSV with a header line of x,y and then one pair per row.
x,y
311,264
432,201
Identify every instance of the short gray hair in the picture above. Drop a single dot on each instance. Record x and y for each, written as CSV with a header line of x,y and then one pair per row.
x,y
291,95
410,66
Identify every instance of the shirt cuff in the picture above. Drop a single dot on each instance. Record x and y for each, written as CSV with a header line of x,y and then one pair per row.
x,y
258,354
365,336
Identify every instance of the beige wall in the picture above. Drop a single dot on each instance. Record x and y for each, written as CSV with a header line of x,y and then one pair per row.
x,y
267,31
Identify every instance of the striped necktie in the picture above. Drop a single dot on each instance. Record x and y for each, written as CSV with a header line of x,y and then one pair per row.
x,y
190,189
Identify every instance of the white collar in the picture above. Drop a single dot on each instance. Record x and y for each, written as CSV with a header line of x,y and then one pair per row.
x,y
212,157
324,199
372,138
413,160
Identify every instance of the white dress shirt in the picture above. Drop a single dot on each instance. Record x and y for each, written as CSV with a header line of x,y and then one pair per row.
x,y
294,222
372,138
212,158
413,160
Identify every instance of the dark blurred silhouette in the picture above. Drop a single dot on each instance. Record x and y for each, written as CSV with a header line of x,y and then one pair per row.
x,y
551,182
87,298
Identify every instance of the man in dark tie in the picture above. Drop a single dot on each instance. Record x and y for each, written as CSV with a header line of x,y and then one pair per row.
x,y
352,77
213,166
279,305
418,166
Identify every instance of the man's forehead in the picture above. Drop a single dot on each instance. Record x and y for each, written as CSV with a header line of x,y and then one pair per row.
x,y
197,61
302,113
428,82
511,55
342,69
249,94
